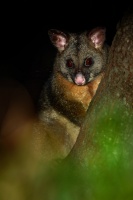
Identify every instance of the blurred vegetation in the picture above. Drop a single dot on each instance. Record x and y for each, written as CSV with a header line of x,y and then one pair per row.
x,y
106,175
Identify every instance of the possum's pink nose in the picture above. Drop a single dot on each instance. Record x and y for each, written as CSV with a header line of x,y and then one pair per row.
x,y
79,79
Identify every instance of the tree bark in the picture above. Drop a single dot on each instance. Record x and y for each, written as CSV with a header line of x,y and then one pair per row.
x,y
114,96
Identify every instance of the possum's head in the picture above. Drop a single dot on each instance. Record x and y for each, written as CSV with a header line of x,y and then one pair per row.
x,y
80,57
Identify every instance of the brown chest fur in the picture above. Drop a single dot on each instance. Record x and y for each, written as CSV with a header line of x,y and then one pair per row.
x,y
74,100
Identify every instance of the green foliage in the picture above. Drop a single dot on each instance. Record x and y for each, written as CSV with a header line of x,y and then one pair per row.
x,y
106,175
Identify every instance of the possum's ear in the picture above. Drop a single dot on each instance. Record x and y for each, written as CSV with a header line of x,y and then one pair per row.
x,y
58,38
97,37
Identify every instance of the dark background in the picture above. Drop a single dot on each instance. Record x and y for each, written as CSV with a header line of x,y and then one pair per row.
x,y
26,51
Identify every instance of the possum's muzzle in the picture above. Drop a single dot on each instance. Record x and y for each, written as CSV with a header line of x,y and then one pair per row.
x,y
79,79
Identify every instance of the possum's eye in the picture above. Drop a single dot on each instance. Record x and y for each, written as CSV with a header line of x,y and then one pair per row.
x,y
88,62
70,63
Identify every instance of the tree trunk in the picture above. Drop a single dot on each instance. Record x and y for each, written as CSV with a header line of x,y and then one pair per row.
x,y
109,117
